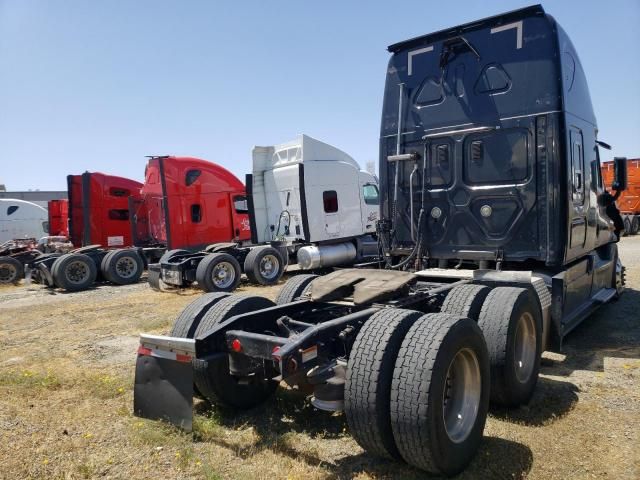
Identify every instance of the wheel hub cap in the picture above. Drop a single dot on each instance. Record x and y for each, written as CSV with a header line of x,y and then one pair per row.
x,y
77,272
223,275
7,273
461,395
269,266
525,347
126,267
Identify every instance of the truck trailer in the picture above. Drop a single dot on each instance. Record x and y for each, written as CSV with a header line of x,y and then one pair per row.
x,y
494,248
629,200
308,203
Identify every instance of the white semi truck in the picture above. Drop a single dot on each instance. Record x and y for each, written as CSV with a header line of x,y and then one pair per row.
x,y
22,219
309,203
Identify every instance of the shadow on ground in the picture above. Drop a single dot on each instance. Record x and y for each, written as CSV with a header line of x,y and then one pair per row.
x,y
288,412
612,331
552,400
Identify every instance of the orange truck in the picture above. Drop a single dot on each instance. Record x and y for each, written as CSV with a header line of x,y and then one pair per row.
x,y
629,200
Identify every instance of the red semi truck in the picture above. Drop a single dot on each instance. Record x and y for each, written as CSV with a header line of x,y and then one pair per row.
x,y
629,200
188,203
185,203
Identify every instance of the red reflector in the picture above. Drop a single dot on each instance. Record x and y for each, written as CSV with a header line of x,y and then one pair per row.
x,y
236,346
183,358
276,352
144,351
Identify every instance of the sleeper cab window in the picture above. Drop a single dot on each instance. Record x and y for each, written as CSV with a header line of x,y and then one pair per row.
x,y
370,194
240,204
196,213
118,214
191,176
330,200
119,192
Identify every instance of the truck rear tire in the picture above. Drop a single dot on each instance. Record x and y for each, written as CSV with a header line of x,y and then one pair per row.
x,y
74,271
103,265
122,267
368,382
218,272
635,225
11,270
440,393
512,325
294,288
187,322
264,265
213,378
465,301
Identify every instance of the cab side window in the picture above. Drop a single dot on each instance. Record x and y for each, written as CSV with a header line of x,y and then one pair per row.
x,y
196,213
240,204
118,214
370,194
191,176
330,200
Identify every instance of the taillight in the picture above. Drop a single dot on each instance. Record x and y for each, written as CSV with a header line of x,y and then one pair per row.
x,y
236,346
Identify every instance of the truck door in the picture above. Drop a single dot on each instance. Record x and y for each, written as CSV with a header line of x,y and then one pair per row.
x,y
331,218
240,218
577,208
369,206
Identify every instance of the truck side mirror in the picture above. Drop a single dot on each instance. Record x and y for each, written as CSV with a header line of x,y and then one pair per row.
x,y
619,174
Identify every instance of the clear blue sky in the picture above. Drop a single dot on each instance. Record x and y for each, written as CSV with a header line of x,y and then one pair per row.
x,y
97,85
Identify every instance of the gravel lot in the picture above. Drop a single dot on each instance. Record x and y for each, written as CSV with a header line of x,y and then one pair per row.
x,y
66,376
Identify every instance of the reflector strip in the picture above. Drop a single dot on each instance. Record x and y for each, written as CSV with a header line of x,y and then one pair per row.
x,y
178,357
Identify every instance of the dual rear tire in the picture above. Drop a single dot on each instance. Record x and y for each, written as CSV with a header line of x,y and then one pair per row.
x,y
511,321
212,377
417,389
74,272
221,271
122,266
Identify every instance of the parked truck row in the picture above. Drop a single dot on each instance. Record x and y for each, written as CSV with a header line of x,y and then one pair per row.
x,y
494,247
193,221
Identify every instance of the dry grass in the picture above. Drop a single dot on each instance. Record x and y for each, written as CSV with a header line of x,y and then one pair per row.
x,y
66,379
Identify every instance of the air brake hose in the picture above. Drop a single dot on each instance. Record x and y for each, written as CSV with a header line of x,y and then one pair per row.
x,y
416,249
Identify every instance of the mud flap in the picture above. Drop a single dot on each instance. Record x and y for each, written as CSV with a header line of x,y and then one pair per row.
x,y
163,390
153,276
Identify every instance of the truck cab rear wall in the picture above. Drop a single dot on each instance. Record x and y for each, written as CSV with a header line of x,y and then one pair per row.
x,y
98,209
506,142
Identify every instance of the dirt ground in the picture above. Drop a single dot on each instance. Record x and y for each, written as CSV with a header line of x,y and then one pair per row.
x,y
66,379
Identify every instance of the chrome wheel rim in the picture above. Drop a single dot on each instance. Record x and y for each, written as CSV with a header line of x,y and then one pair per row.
x,y
126,267
461,395
77,272
525,347
269,266
8,273
223,275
